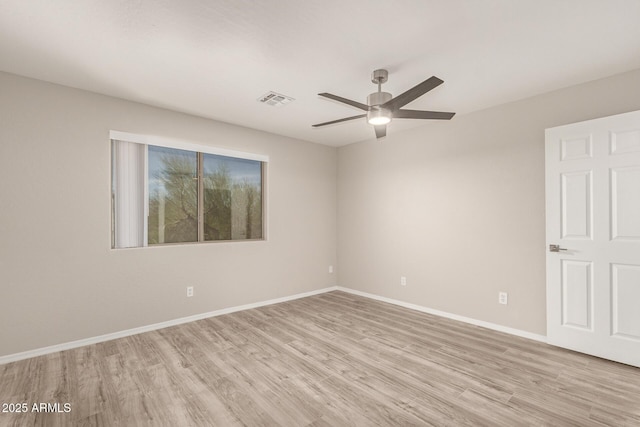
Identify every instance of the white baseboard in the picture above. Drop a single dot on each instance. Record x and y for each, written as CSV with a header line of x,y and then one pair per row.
x,y
488,325
107,337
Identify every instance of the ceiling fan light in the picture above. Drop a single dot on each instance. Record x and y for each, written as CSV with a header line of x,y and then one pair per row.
x,y
376,121
379,117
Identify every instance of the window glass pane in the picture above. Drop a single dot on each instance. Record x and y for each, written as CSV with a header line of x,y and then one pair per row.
x,y
232,198
173,195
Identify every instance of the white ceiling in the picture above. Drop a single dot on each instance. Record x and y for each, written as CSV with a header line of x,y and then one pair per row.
x,y
214,58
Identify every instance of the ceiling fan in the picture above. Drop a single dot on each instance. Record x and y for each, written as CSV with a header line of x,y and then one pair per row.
x,y
381,107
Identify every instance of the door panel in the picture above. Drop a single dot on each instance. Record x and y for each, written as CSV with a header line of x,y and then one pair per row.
x,y
625,203
576,205
576,148
625,142
593,215
625,297
577,300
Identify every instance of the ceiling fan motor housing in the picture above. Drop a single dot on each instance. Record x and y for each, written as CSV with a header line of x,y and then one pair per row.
x,y
377,98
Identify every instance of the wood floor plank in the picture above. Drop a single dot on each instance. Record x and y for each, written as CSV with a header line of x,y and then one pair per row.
x,y
333,359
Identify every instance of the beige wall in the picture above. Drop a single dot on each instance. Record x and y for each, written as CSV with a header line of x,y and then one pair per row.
x,y
59,279
458,207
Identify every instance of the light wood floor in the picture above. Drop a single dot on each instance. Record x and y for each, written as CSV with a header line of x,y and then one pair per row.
x,y
333,359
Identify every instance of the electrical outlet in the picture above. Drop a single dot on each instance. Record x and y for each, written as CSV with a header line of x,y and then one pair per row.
x,y
503,297
331,269
189,291
403,281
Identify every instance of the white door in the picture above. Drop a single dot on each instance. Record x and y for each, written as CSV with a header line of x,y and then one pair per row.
x,y
593,215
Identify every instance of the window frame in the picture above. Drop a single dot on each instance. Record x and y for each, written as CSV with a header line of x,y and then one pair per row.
x,y
200,150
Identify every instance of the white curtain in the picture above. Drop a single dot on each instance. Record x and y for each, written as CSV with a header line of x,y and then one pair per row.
x,y
130,194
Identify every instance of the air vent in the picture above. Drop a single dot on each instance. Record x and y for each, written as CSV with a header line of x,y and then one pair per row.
x,y
275,99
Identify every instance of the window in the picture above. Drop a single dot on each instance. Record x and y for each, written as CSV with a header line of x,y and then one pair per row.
x,y
179,193
173,195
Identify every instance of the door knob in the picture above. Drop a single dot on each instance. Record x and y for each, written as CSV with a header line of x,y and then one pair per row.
x,y
556,248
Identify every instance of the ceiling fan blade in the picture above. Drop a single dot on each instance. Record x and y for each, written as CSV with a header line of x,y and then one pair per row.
x,y
356,104
381,131
413,93
340,120
417,114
